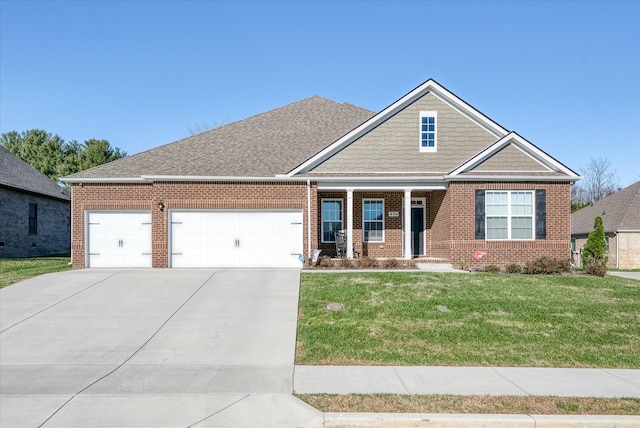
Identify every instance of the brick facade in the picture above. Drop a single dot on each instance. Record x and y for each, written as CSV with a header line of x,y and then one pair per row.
x,y
53,225
178,195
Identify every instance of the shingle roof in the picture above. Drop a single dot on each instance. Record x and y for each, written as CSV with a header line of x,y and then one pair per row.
x,y
619,211
17,174
263,145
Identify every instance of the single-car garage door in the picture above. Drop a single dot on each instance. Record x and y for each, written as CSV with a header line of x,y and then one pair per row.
x,y
235,238
119,239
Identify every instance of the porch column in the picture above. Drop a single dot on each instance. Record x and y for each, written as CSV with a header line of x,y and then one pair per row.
x,y
349,223
407,225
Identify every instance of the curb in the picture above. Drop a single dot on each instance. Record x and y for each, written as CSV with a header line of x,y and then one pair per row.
x,y
437,420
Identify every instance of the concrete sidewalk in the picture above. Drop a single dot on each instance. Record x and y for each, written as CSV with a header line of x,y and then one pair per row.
x,y
604,383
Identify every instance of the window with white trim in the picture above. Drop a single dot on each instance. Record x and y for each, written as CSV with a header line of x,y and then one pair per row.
x,y
509,215
428,131
331,218
373,220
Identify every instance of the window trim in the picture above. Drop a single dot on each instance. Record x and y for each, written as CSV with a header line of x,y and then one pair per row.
x,y
32,221
322,221
364,201
509,215
433,149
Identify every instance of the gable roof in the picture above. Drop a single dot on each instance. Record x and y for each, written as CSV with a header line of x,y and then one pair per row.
x,y
430,86
263,145
619,211
16,174
549,168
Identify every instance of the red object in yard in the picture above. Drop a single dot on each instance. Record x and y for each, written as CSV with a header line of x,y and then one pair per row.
x,y
479,254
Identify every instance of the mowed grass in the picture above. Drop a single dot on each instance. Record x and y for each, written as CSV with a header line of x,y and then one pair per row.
x,y
413,318
15,270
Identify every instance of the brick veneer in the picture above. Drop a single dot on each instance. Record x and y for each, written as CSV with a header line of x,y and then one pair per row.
x,y
176,195
449,230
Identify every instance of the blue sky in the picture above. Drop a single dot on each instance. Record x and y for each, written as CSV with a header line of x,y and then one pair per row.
x,y
564,75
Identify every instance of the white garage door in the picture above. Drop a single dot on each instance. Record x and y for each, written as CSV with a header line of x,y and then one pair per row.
x,y
239,238
119,239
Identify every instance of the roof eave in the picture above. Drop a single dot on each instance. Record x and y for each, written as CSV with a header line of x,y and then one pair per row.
x,y
508,178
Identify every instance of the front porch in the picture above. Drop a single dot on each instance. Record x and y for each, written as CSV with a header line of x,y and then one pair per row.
x,y
381,222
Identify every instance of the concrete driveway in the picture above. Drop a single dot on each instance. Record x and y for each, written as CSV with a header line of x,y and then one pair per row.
x,y
152,348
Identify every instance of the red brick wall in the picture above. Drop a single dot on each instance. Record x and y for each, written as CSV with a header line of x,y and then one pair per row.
x,y
191,195
461,201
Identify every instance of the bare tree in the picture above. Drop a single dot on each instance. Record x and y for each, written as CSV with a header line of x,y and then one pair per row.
x,y
600,180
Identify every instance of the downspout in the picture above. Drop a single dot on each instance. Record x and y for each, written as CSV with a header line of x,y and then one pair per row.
x,y
615,233
309,221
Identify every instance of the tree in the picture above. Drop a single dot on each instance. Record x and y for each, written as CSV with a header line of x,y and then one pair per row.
x,y
599,181
55,158
595,248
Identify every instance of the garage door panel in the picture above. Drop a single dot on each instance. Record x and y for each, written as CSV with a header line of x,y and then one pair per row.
x,y
119,239
236,239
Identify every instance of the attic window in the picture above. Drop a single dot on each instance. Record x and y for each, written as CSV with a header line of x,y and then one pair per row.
x,y
428,131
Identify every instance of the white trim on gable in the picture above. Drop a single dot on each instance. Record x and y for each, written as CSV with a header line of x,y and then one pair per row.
x,y
426,87
513,138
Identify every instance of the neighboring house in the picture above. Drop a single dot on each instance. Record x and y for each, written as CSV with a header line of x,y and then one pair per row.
x,y
35,213
620,213
428,176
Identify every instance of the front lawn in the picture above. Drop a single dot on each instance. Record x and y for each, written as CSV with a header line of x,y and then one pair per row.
x,y
415,318
14,270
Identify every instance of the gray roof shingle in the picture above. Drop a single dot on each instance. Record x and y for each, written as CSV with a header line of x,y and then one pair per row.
x,y
17,174
619,211
263,145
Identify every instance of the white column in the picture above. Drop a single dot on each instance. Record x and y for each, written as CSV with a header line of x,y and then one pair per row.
x,y
407,224
349,223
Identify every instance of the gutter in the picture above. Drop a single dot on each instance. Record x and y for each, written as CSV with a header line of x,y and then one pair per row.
x,y
309,221
507,178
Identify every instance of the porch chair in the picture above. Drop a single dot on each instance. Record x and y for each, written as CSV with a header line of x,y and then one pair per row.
x,y
341,245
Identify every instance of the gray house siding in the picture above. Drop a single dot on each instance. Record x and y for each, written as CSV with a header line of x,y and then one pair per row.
x,y
53,235
510,159
394,146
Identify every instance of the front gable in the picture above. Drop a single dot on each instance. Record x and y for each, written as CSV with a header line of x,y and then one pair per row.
x,y
510,159
390,142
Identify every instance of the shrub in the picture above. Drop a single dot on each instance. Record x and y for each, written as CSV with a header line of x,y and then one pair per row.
x,y
390,264
325,261
513,268
545,265
596,269
595,248
492,269
345,263
366,263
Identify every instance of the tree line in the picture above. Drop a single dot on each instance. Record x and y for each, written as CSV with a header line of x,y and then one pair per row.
x,y
55,157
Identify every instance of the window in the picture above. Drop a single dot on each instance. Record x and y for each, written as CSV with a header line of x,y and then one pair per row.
x,y
428,131
373,220
33,218
509,215
331,218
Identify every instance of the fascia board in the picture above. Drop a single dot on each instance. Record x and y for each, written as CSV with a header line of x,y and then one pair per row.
x,y
103,180
495,178
430,85
380,186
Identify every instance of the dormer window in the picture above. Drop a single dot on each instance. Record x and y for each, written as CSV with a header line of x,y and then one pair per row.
x,y
428,131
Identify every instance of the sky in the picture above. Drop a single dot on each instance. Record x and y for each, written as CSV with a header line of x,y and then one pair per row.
x,y
140,74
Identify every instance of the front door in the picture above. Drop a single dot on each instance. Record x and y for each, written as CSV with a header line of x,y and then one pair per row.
x,y
417,230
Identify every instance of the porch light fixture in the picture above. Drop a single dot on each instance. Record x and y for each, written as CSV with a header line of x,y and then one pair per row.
x,y
161,206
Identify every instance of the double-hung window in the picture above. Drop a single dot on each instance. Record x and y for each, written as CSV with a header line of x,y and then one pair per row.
x,y
509,215
428,131
373,220
331,218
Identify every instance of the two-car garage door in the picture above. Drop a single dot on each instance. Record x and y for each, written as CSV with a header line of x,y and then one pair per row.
x,y
211,238
235,238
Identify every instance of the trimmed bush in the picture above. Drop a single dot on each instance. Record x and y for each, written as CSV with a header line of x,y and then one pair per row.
x,y
596,269
390,264
546,266
366,263
513,268
345,263
492,269
596,247
324,261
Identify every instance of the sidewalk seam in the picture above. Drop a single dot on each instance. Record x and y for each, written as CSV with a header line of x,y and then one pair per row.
x,y
497,370
400,379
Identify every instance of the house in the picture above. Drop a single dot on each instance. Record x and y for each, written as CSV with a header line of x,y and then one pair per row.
x,y
620,213
429,176
35,212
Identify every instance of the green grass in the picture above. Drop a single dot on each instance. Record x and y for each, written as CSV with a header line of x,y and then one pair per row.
x,y
392,318
15,270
